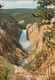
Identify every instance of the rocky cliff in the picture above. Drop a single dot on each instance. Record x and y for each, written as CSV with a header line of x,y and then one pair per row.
x,y
9,36
42,57
33,32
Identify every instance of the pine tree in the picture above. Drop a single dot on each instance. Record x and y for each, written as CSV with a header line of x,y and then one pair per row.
x,y
38,62
1,6
44,13
49,38
4,74
51,35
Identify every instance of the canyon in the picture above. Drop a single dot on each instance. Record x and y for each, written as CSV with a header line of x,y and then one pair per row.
x,y
35,36
21,50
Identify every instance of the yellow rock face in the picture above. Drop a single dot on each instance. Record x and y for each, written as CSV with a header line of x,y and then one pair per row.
x,y
33,32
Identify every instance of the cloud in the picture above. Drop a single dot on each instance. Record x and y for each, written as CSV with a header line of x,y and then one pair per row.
x,y
18,4
24,2
8,4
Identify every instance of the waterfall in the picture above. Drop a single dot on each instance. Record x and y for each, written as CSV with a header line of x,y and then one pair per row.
x,y
25,43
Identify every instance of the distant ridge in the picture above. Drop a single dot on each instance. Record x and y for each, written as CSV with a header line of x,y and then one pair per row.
x,y
23,14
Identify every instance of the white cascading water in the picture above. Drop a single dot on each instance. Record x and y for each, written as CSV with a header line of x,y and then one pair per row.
x,y
25,43
23,40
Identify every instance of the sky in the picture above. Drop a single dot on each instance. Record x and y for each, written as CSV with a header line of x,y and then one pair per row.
x,y
10,4
19,4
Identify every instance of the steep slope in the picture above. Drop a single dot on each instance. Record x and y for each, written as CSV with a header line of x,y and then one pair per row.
x,y
37,40
33,31
42,59
9,35
9,71
6,69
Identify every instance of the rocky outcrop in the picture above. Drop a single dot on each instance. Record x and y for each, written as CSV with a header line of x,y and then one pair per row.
x,y
41,53
33,32
9,36
38,42
6,69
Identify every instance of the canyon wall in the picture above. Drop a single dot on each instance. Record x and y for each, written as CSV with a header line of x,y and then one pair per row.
x,y
39,51
33,32
9,36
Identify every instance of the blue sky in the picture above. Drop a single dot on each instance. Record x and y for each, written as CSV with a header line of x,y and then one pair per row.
x,y
19,4
9,4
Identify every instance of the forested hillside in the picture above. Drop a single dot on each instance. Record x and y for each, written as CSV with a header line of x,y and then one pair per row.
x,y
23,14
